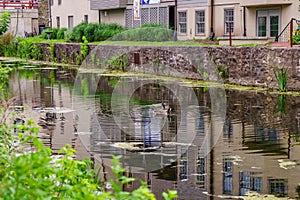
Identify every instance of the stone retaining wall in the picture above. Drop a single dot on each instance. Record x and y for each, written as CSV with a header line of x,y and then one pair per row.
x,y
251,66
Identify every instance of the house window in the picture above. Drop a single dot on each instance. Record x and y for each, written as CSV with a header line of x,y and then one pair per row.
x,y
200,21
201,171
51,2
86,18
183,164
229,20
59,2
227,176
278,187
70,22
182,19
249,183
58,22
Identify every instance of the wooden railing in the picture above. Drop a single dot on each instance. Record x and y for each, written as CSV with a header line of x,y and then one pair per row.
x,y
17,4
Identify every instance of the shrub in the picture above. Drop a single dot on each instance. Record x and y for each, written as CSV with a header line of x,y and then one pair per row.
x,y
156,33
8,45
4,22
78,32
68,35
89,31
24,48
61,33
105,31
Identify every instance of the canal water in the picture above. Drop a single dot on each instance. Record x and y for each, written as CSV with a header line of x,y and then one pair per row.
x,y
211,144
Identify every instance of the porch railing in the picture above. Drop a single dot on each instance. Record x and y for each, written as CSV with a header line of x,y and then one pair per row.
x,y
18,4
286,35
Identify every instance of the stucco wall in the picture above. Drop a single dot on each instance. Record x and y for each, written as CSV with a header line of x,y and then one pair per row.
x,y
75,8
24,20
113,16
251,66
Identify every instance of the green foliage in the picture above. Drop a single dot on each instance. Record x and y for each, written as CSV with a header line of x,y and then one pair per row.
x,y
78,32
52,51
24,48
153,25
53,31
89,31
36,52
280,107
281,77
84,50
118,63
61,33
296,37
4,78
153,33
84,47
223,71
68,35
106,31
94,32
4,22
28,170
8,46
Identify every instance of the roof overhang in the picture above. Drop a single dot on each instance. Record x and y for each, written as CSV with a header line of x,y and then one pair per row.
x,y
261,3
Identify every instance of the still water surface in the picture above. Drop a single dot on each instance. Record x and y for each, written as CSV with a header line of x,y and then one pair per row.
x,y
201,154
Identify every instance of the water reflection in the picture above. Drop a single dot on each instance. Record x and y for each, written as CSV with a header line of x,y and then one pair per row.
x,y
258,149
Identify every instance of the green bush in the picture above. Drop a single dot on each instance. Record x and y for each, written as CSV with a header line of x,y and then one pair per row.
x,y
94,32
61,33
89,31
4,22
149,32
24,48
78,32
8,46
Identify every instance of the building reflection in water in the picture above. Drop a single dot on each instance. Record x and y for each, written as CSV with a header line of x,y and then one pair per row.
x,y
256,152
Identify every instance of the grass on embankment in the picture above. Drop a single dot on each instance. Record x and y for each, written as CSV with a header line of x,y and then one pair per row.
x,y
141,43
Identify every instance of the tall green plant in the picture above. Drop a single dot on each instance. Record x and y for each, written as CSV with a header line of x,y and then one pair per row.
x,y
281,77
4,22
24,48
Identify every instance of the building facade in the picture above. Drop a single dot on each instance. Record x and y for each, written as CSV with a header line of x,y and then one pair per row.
x,y
151,12
247,19
110,11
201,19
67,13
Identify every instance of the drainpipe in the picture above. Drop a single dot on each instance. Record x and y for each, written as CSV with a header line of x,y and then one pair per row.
x,y
50,16
212,34
99,16
244,18
175,22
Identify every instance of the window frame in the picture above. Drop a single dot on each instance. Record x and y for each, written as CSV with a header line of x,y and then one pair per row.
x,y
182,23
57,21
69,25
198,22
226,32
86,18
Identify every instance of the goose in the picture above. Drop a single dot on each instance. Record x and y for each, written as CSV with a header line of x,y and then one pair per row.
x,y
165,110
